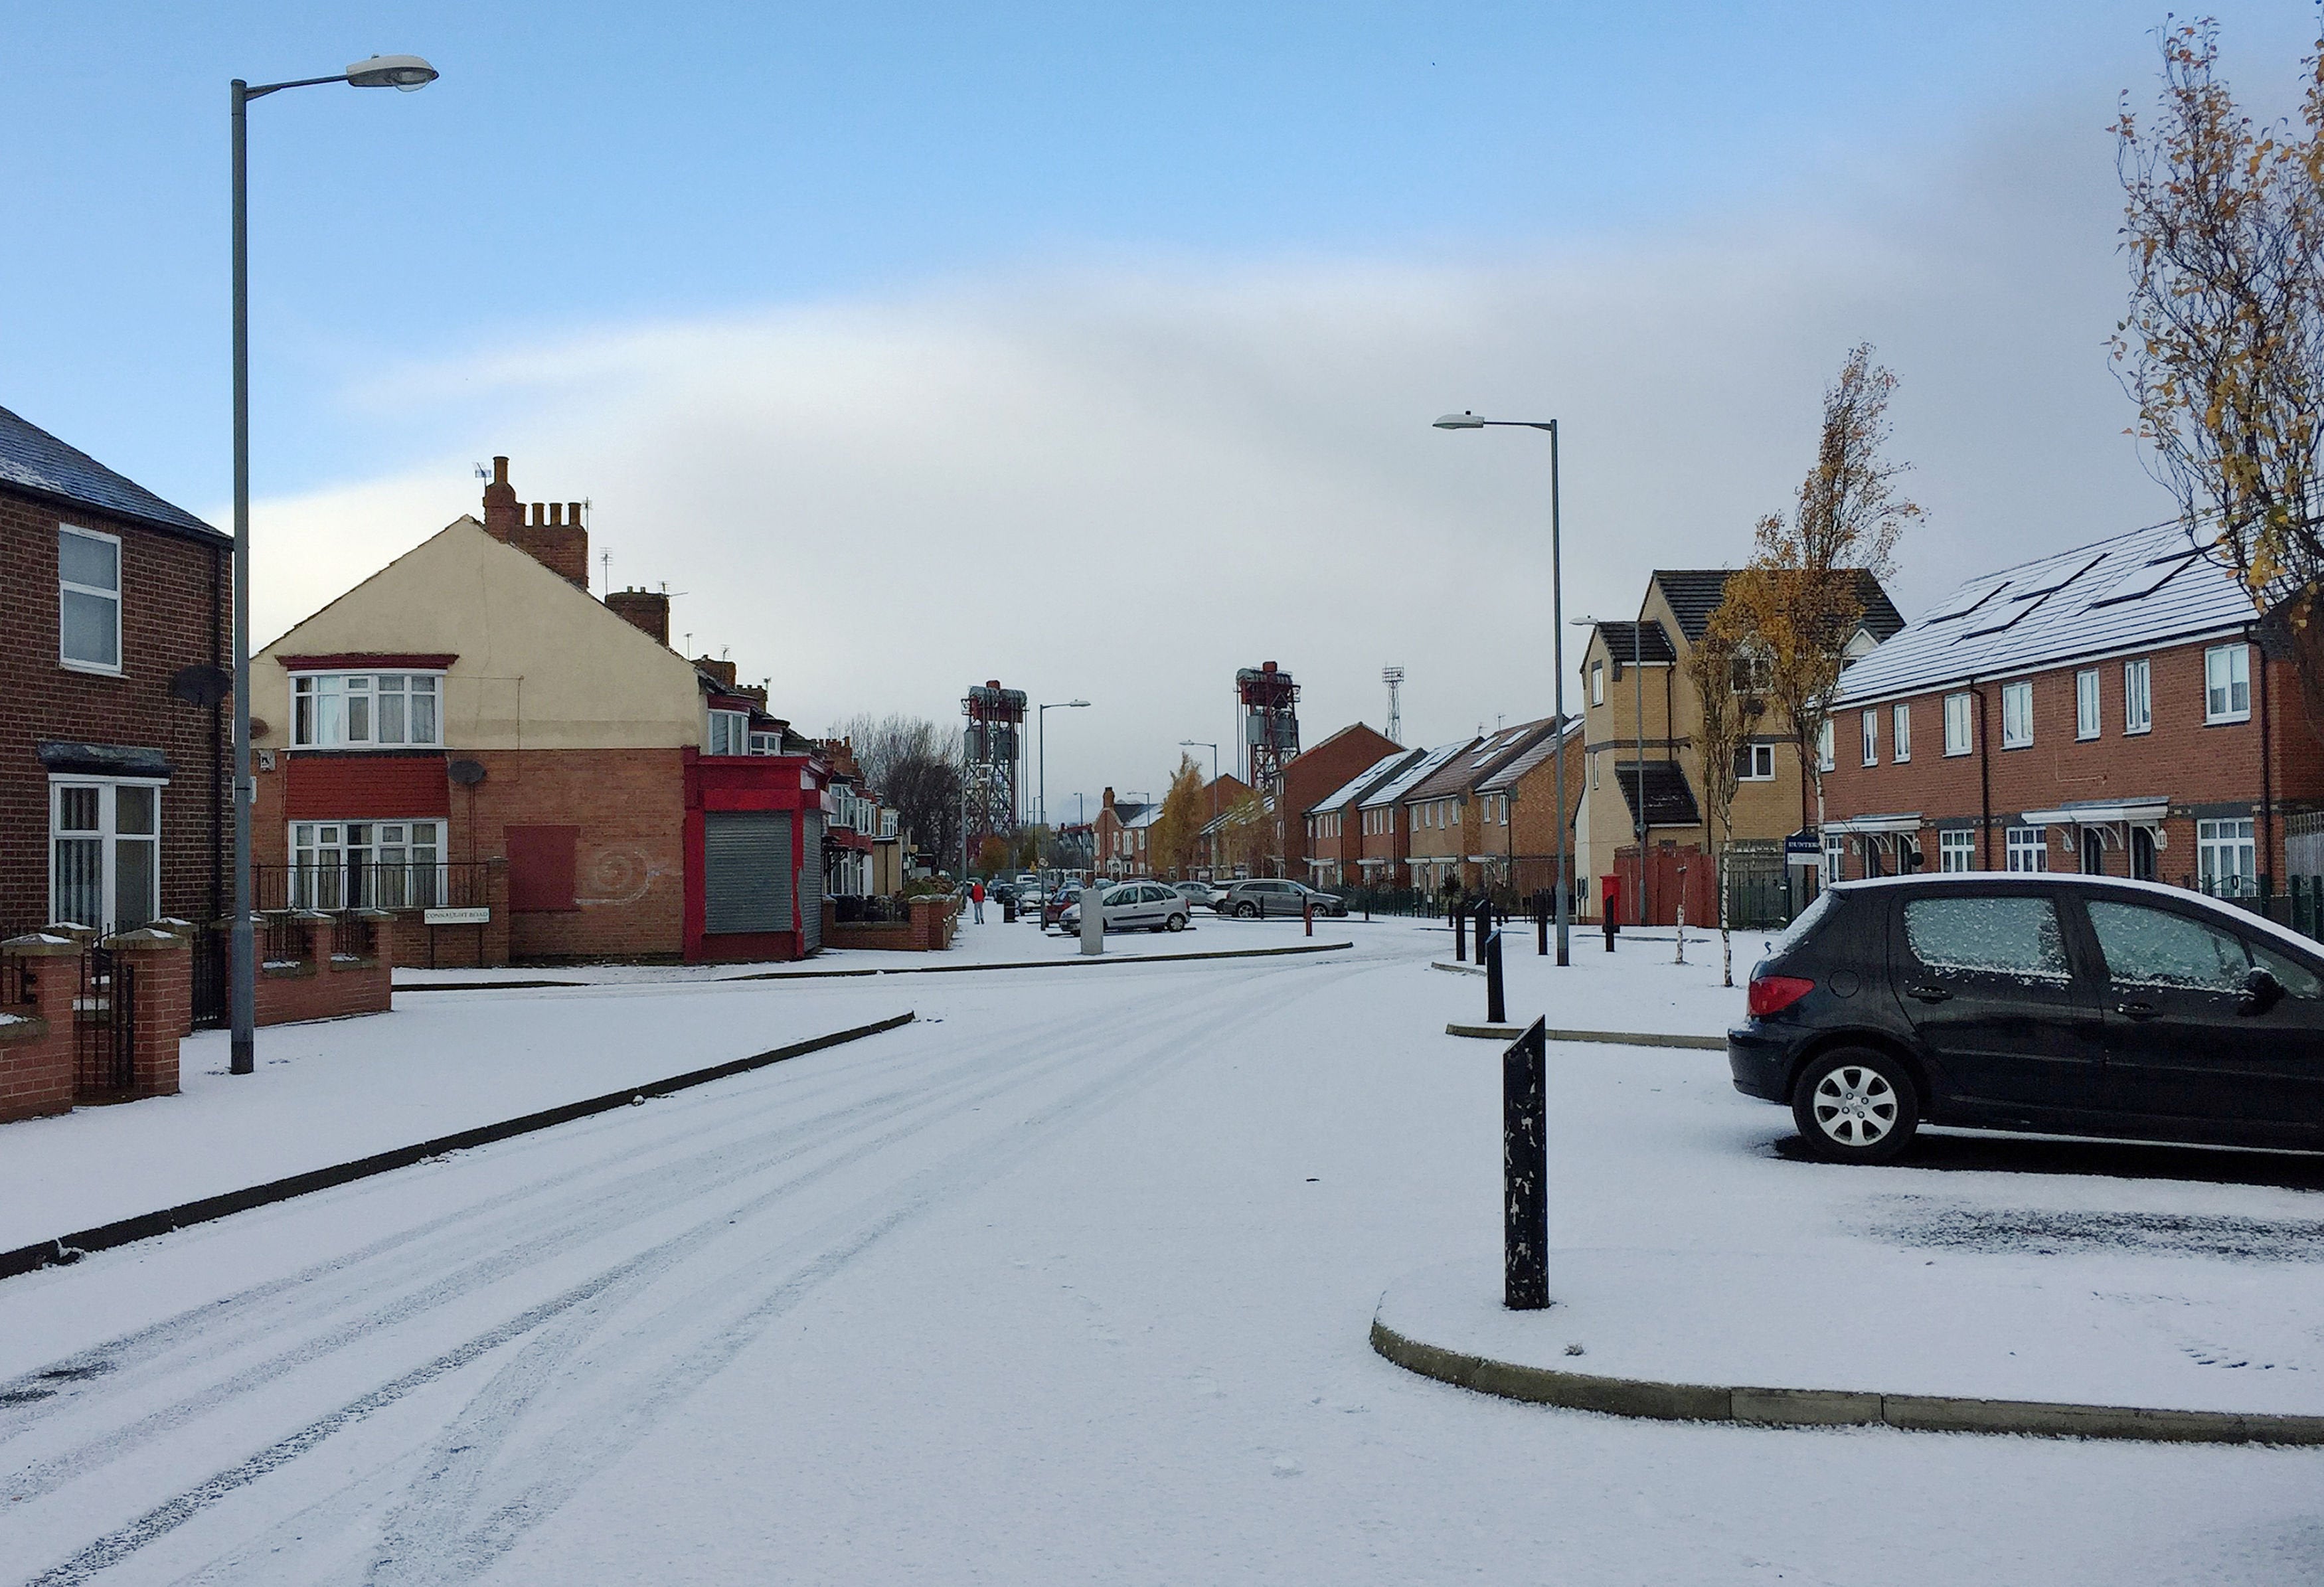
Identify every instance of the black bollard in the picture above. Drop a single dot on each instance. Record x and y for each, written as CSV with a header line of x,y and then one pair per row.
x,y
1541,922
1524,1170
1460,936
1496,1006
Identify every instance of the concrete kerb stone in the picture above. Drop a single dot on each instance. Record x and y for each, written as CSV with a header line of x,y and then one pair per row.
x,y
1318,947
71,1248
1831,1407
1712,1044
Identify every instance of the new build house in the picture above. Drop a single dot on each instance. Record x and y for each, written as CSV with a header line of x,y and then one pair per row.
x,y
2111,710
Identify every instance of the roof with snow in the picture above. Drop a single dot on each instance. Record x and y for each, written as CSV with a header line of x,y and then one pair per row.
x,y
2150,586
33,460
1411,777
1340,797
1464,771
1518,767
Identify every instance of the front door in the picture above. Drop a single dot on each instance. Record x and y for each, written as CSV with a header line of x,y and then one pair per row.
x,y
2093,853
2183,1042
1990,987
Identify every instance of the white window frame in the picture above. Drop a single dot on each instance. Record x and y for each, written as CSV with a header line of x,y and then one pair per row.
x,y
731,728
107,836
1871,727
2028,849
65,586
2232,837
326,695
1901,742
2017,715
2087,703
1597,683
1835,859
1956,850
1961,728
1754,756
2137,697
766,743
2227,684
319,875
1824,737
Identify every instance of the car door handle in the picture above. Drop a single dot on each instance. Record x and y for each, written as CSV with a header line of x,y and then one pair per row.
x,y
1928,995
2141,1011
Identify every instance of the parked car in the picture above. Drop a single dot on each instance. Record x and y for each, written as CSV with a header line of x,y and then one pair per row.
x,y
2065,1005
1029,898
1053,907
1261,896
1200,892
1135,906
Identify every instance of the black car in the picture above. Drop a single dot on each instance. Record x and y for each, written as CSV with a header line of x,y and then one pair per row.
x,y
2065,1005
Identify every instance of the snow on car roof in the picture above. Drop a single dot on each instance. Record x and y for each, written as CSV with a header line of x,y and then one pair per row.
x,y
2163,889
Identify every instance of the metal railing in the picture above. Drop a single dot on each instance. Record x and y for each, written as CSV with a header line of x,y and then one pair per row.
x,y
351,936
104,1024
449,884
282,937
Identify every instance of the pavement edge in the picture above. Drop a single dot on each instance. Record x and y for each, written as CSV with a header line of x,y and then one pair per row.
x,y
1830,1408
65,1249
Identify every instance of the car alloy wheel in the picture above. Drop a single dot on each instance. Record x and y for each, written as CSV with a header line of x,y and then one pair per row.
x,y
1246,912
1174,923
1856,1106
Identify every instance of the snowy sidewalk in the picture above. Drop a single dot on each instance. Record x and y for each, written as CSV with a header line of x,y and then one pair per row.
x,y
327,1092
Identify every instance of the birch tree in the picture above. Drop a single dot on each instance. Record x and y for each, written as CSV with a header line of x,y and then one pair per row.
x,y
1725,669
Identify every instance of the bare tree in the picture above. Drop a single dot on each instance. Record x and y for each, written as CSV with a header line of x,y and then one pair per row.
x,y
2223,344
1728,672
1802,598
914,765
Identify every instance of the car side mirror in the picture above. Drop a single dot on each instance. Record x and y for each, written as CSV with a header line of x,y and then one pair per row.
x,y
2262,992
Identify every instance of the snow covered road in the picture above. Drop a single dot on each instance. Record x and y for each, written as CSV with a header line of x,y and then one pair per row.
x,y
1068,1283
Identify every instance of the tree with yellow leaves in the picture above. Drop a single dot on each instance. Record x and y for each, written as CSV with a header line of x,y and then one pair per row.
x,y
1170,845
1729,675
2223,344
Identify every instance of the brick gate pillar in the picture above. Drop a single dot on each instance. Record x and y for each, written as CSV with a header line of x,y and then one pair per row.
x,y
36,1034
162,977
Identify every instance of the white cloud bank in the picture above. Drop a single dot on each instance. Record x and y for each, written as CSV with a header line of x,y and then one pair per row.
x,y
876,504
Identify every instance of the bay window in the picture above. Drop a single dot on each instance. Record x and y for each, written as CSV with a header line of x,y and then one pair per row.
x,y
366,864
366,710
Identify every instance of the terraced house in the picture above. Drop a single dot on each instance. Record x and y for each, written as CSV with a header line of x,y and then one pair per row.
x,y
2114,709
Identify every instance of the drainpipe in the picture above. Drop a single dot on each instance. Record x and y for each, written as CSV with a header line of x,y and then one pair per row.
x,y
2267,777
1984,779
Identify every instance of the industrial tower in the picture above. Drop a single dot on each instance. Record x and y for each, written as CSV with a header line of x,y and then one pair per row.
x,y
988,785
1394,678
1270,722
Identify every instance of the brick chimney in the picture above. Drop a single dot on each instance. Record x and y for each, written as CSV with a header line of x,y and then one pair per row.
x,y
724,671
547,537
1108,804
645,609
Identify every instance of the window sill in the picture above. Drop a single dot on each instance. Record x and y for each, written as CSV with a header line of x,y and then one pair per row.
x,y
1959,754
2026,745
2138,732
2227,721
90,668
2087,738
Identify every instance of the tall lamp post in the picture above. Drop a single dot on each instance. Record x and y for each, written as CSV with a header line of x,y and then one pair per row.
x,y
409,73
1556,646
1041,736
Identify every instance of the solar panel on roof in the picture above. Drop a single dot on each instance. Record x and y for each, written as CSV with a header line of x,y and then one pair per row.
x,y
2144,579
1967,602
2007,616
2058,577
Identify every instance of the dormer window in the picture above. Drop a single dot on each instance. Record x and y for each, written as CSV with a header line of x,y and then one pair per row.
x,y
366,710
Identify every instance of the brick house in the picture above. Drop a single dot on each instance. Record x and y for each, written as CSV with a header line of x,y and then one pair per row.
x,y
1461,834
2111,708
1123,827
469,737
1524,791
1384,831
113,799
1642,720
1221,794
1310,775
1335,824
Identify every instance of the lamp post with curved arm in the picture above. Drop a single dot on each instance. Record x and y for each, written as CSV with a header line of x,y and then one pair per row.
x,y
1041,738
1557,647
408,73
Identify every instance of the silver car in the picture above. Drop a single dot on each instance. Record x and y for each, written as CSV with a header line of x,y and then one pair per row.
x,y
1135,906
1259,897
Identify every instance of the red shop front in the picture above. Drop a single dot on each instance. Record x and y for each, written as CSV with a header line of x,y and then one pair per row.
x,y
754,834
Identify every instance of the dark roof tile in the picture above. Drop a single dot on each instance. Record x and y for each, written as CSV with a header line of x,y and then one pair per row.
x,y
33,460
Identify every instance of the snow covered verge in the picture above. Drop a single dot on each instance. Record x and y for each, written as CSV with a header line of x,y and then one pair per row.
x,y
1635,987
993,942
1686,1249
332,1091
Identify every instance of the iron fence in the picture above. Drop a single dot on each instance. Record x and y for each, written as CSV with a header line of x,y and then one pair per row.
x,y
449,885
104,1024
351,936
282,937
209,973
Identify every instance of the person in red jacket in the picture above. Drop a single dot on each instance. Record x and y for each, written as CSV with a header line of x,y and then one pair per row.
x,y
976,896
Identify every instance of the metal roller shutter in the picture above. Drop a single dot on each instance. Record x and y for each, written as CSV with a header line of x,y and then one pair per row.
x,y
746,866
811,881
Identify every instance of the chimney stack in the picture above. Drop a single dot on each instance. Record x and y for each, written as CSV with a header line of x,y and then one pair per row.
x,y
1109,800
547,537
724,671
645,609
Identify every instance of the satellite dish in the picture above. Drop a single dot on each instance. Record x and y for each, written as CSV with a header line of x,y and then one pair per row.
x,y
466,773
204,684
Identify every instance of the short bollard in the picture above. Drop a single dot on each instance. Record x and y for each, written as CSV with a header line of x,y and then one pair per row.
x,y
1496,1009
1308,909
1541,923
1524,1170
1460,936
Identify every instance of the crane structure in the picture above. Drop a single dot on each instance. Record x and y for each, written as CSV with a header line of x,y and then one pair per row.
x,y
992,749
1394,678
1270,722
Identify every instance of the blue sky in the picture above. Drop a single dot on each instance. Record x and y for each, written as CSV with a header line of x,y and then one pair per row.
x,y
597,202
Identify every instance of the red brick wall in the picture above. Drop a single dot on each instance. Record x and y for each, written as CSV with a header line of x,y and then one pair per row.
x,y
1331,764
362,784
2203,771
323,988
167,585
36,1060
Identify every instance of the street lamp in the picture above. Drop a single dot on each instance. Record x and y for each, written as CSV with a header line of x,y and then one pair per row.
x,y
1556,648
1041,736
408,73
